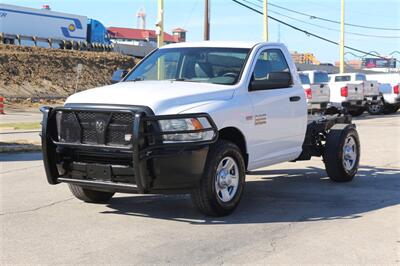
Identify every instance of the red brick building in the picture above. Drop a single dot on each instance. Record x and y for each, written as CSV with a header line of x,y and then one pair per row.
x,y
143,37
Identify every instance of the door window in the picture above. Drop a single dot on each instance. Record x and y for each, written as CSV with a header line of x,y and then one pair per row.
x,y
269,61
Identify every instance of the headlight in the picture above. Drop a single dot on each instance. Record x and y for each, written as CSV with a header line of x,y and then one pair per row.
x,y
193,129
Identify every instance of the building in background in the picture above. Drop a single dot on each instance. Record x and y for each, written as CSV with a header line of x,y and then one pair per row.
x,y
355,64
179,34
388,64
143,37
304,58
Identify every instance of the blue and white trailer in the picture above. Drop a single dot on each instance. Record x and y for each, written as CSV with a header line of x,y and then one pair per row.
x,y
22,23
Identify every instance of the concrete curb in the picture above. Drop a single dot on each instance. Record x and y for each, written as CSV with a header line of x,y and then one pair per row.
x,y
19,147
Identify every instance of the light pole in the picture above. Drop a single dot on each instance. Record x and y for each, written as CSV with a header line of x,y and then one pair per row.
x,y
160,24
265,20
160,38
342,38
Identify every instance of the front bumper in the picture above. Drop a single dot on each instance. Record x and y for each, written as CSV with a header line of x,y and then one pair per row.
x,y
143,166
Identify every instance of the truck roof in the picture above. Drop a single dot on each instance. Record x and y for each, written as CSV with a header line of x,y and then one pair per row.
x,y
346,74
218,44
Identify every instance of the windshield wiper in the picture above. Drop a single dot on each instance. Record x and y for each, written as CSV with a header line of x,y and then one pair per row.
x,y
184,79
136,79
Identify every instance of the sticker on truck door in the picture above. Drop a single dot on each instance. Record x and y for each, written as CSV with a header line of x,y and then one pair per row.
x,y
260,119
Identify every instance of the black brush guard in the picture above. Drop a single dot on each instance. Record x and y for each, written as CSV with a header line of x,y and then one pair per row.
x,y
166,162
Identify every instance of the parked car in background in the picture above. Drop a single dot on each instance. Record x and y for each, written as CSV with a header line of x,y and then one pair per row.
x,y
370,89
347,94
389,89
316,89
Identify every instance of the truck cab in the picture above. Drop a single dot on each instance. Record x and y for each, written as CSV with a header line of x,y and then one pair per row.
x,y
192,118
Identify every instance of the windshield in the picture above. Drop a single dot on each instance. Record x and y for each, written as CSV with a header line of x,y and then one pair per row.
x,y
304,79
321,77
360,77
208,65
342,78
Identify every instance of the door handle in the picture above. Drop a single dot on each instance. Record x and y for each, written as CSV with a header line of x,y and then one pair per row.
x,y
295,98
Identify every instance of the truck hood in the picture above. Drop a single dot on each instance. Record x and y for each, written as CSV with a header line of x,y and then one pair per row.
x,y
163,97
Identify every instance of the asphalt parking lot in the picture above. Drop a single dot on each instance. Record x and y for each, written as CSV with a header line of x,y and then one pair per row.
x,y
290,214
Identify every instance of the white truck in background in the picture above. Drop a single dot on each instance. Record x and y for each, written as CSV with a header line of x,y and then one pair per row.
x,y
389,89
348,93
369,88
315,85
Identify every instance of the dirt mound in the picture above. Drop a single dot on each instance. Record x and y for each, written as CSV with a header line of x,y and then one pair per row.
x,y
43,72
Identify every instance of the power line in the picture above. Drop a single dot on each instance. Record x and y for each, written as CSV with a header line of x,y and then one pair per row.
x,y
191,13
307,32
323,27
330,20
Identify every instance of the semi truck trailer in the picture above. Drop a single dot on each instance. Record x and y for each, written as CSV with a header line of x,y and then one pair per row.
x,y
18,24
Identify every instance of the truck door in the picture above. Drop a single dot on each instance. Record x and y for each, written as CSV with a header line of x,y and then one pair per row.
x,y
280,114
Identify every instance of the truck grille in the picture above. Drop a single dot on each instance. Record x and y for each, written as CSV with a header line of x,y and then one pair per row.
x,y
95,128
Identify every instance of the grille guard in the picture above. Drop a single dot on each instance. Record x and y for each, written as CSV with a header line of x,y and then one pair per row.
x,y
49,136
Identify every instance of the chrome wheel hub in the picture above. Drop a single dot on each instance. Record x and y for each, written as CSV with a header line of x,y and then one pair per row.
x,y
375,108
227,179
349,154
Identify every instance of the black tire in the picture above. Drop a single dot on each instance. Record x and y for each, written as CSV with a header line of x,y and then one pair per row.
x,y
390,109
334,149
205,197
375,109
88,195
357,112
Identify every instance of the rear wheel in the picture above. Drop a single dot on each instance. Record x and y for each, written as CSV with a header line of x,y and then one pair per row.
x,y
357,112
89,195
222,185
342,153
390,109
375,109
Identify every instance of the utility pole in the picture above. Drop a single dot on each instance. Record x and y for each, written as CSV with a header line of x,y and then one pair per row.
x,y
266,20
206,20
342,37
160,24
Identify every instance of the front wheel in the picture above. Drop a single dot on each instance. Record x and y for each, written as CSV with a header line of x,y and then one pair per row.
x,y
223,181
342,153
88,195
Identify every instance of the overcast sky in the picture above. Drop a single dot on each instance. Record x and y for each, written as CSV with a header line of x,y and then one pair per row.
x,y
230,21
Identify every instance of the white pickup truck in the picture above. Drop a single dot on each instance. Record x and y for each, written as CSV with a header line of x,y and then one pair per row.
x,y
357,88
315,84
193,118
389,89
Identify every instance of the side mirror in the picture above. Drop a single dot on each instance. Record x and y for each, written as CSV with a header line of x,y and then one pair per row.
x,y
118,75
273,80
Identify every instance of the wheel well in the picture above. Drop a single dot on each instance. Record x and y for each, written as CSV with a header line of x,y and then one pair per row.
x,y
234,135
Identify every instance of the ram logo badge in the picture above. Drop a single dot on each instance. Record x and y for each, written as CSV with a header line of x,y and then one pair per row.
x,y
100,125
